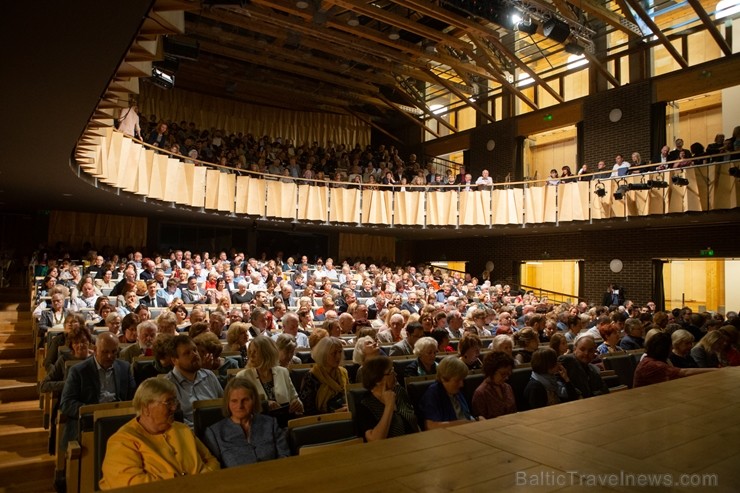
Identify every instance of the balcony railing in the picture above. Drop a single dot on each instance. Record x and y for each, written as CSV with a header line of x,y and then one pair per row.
x,y
136,168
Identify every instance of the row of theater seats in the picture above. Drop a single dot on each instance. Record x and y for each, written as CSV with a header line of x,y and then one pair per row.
x,y
307,434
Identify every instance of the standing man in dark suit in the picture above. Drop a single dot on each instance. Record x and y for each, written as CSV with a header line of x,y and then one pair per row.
x,y
614,296
460,177
102,378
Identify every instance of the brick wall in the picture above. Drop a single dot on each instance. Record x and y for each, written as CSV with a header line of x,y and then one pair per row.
x,y
500,161
635,247
603,139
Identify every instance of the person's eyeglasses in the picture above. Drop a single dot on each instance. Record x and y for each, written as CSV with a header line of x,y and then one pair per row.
x,y
170,403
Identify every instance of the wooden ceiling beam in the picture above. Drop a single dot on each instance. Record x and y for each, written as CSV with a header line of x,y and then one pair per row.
x,y
321,38
460,95
522,66
606,15
339,98
711,27
374,125
286,67
415,101
259,93
642,14
508,85
244,43
416,121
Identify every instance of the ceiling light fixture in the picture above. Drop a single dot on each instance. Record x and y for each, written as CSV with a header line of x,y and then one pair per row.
x,y
353,20
394,34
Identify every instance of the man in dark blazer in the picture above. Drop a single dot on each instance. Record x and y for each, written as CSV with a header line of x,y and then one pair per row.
x,y
101,378
412,303
152,299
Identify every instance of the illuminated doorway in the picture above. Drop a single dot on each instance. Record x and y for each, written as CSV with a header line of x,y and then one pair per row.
x,y
550,150
702,284
562,278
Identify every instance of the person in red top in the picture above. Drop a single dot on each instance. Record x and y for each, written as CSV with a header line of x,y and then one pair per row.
x,y
654,367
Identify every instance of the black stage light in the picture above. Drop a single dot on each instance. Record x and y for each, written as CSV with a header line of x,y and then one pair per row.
x,y
529,27
574,49
657,184
638,186
162,79
735,171
556,30
680,181
600,189
621,190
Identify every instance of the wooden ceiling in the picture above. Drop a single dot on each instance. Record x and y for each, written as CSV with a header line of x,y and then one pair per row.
x,y
372,59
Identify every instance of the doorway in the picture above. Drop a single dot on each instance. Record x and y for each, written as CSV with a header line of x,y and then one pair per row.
x,y
562,277
702,284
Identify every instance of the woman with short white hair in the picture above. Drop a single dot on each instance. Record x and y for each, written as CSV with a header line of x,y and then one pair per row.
x,y
425,363
153,446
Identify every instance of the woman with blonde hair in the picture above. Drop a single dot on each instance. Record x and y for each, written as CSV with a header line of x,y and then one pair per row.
x,y
271,380
324,389
707,353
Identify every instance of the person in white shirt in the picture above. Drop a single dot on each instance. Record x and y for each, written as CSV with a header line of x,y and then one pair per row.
x,y
484,179
620,167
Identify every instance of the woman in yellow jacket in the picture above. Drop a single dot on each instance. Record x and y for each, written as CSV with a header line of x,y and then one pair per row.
x,y
152,446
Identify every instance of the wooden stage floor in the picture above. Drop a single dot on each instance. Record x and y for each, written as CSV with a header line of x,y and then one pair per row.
x,y
662,436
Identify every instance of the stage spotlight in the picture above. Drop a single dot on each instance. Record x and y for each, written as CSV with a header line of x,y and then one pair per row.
x,y
556,30
528,27
600,189
657,184
735,171
162,79
575,49
621,190
680,181
638,186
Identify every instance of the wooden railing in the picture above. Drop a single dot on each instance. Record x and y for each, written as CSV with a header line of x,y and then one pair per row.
x,y
134,167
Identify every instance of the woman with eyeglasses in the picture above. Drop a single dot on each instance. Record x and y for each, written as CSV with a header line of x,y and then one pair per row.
x,y
153,446
385,411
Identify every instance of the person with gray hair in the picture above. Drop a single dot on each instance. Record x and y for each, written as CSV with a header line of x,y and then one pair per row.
x,y
286,350
245,435
682,341
633,338
583,375
153,446
324,389
290,324
443,404
366,349
425,350
145,334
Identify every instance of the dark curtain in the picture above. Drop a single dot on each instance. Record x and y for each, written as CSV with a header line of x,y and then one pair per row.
x,y
658,137
658,287
580,156
519,159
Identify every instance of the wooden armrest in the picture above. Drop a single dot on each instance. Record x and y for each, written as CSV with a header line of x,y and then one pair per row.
x,y
72,467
